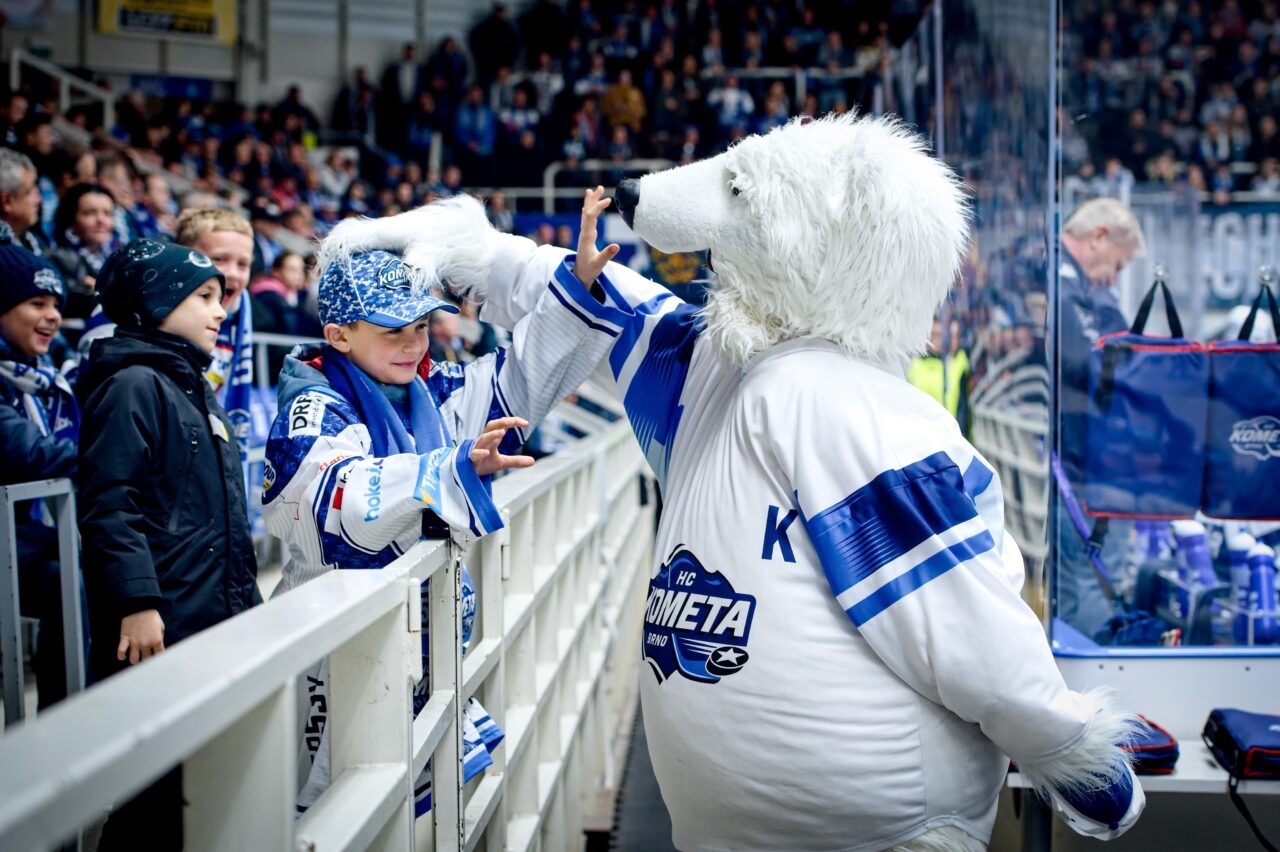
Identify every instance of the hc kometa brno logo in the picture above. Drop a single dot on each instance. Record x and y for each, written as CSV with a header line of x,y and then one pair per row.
x,y
1258,437
695,622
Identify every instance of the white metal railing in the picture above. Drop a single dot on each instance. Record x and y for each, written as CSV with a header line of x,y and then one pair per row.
x,y
550,193
67,83
1011,429
553,658
61,496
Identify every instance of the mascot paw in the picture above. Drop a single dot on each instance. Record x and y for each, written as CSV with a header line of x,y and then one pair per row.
x,y
1104,813
1092,786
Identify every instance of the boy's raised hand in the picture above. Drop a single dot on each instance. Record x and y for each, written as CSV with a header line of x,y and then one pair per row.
x,y
591,261
484,453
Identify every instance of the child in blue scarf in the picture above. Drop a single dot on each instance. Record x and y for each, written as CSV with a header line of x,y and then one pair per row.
x,y
39,425
375,446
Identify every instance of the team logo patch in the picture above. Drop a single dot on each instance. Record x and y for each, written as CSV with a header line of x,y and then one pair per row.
x,y
197,259
268,475
695,623
46,279
1259,437
392,276
306,414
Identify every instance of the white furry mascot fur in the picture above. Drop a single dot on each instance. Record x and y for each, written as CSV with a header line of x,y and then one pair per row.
x,y
838,655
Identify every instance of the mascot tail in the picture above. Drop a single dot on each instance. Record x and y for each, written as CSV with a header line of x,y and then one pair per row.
x,y
1101,804
446,241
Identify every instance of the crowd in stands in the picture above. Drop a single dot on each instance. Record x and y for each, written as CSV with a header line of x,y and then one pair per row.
x,y
1175,94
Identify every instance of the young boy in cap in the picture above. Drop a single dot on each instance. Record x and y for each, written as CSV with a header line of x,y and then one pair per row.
x,y
39,424
167,549
375,445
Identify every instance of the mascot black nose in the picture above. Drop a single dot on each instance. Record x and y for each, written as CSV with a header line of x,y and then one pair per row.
x,y
627,198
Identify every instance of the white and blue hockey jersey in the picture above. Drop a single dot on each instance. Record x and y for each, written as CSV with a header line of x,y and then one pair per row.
x,y
336,505
838,656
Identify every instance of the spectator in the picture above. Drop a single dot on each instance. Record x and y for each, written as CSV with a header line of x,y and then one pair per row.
x,y
618,51
39,426
84,230
518,117
446,338
13,111
446,71
163,513
278,303
264,218
475,129
292,107
500,216
355,107
1266,145
20,203
1266,182
547,82
301,220
156,212
596,80
398,92
494,44
623,104
733,106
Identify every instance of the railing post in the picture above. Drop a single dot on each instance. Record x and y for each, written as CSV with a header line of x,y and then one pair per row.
x,y
15,70
369,718
69,567
10,616
549,187
241,784
445,664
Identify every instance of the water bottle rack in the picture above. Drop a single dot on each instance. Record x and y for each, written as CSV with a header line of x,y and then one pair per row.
x,y
1210,611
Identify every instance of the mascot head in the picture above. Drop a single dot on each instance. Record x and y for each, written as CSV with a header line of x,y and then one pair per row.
x,y
842,228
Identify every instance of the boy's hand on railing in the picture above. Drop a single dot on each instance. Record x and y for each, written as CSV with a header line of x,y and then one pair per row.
x,y
591,261
484,453
141,636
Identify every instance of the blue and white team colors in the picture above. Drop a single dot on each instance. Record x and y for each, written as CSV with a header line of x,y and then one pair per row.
x,y
334,503
835,614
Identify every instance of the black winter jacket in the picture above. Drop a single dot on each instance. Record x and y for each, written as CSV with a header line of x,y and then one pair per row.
x,y
161,497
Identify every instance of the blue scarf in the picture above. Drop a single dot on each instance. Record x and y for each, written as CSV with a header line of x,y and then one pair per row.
x,y
45,399
426,430
231,375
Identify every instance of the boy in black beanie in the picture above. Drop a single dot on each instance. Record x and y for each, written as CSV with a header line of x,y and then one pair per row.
x,y
167,548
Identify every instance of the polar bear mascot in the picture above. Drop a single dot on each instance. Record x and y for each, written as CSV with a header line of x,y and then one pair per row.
x,y
837,653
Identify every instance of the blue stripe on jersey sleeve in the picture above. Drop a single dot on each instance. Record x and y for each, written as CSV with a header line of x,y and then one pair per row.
x,y
477,490
652,400
977,476
904,584
888,517
566,287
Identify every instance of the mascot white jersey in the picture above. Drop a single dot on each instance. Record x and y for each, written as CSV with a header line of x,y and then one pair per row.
x,y
838,654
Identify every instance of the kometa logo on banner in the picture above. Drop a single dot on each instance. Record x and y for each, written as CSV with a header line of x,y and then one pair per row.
x,y
1259,437
695,622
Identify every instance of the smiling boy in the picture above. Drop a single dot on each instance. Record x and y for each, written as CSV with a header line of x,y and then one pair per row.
x,y
375,446
161,499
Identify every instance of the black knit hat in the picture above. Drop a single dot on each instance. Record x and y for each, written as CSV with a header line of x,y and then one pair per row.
x,y
145,280
24,276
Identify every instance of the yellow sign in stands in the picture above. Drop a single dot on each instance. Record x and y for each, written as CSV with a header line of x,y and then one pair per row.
x,y
205,20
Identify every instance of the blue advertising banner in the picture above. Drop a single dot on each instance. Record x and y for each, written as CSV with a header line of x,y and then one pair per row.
x,y
1236,240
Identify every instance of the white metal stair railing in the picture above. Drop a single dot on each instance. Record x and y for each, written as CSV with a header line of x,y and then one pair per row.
x,y
547,659
67,84
1011,429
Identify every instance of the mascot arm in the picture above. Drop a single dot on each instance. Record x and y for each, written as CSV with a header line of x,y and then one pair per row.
x,y
917,570
653,333
555,346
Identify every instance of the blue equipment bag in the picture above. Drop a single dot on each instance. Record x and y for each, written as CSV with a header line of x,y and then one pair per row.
x,y
1247,745
1148,401
1242,459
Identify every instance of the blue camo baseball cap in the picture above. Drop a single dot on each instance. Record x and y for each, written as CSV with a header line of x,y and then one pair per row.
x,y
373,286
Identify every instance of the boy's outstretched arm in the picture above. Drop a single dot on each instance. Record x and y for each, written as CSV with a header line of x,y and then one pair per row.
x,y
332,500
